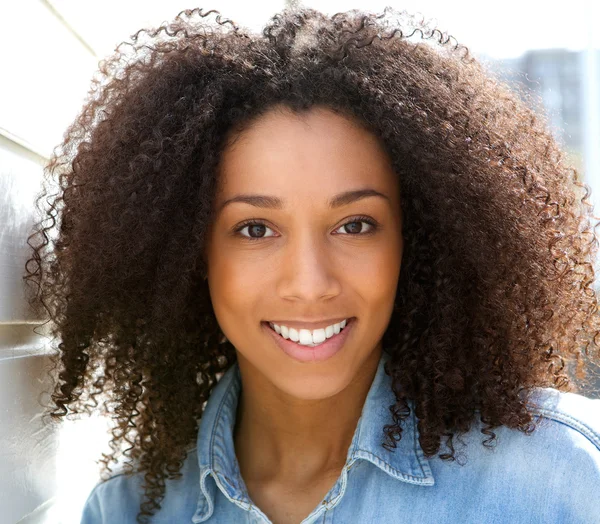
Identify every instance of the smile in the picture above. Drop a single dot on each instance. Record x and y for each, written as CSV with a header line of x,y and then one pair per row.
x,y
307,337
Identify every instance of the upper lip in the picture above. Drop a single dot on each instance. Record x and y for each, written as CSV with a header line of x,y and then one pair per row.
x,y
300,324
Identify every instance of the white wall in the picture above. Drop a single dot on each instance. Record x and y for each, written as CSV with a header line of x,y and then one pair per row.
x,y
46,70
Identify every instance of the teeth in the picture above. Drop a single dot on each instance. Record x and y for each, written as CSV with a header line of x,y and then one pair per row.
x,y
306,337
294,336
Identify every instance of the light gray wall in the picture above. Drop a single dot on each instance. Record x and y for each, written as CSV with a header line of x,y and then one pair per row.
x,y
46,71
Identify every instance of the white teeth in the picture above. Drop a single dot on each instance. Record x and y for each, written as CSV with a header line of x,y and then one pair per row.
x,y
284,331
294,336
306,337
318,336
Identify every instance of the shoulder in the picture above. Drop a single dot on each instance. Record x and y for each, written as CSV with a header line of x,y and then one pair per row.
x,y
549,475
566,424
567,445
566,433
580,414
118,499
561,464
555,468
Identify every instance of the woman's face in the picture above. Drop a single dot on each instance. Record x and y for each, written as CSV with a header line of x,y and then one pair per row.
x,y
312,257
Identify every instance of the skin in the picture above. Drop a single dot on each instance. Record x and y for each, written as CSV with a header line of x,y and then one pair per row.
x,y
295,421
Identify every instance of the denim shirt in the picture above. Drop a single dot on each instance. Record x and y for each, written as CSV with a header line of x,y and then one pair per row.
x,y
550,476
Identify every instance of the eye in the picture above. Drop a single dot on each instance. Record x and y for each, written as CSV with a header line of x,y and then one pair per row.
x,y
354,227
255,227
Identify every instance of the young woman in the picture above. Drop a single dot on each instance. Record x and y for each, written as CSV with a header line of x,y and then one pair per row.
x,y
329,273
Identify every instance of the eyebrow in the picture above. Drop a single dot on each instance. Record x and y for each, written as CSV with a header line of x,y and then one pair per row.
x,y
339,200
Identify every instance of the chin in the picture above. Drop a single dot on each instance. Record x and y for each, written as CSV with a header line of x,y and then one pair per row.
x,y
308,384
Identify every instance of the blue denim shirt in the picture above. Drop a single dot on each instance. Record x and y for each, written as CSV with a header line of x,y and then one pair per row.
x,y
550,476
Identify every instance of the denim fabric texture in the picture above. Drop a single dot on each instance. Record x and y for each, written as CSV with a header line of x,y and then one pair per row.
x,y
550,476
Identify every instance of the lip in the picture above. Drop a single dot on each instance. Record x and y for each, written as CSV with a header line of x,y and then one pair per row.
x,y
319,353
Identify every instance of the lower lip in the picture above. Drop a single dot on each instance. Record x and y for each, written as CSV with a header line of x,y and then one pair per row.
x,y
318,353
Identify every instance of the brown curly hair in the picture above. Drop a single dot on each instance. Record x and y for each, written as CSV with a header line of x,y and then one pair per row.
x,y
496,292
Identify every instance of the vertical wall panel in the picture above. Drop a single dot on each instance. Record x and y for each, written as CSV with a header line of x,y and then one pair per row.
x,y
46,72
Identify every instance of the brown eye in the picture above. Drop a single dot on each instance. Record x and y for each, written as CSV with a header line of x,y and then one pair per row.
x,y
256,230
357,227
353,227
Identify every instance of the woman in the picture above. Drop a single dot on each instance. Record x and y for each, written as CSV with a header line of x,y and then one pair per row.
x,y
323,274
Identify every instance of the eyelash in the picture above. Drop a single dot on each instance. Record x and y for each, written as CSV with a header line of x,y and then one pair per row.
x,y
254,222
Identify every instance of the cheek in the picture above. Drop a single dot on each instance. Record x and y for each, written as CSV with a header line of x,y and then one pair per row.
x,y
378,273
379,289
234,286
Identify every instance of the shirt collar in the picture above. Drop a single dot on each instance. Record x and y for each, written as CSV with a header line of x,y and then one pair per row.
x,y
216,452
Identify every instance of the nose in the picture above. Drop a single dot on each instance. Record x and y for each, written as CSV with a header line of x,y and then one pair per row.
x,y
308,269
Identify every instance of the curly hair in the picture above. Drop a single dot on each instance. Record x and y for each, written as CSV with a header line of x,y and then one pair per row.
x,y
495,295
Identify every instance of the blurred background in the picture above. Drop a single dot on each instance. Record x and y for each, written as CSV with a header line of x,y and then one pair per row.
x,y
49,51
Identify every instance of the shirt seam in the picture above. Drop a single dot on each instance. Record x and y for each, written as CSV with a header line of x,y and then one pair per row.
x,y
572,422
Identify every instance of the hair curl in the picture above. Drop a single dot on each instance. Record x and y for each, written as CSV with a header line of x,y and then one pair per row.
x,y
496,287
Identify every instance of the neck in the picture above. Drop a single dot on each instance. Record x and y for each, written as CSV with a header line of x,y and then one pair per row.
x,y
279,438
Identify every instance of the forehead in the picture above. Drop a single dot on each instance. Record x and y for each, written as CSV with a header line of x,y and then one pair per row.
x,y
315,149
